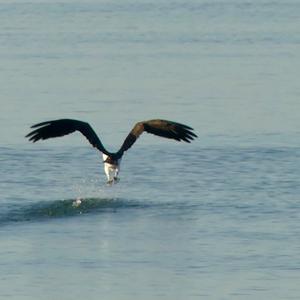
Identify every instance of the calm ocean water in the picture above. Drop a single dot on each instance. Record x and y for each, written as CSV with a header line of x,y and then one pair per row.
x,y
215,219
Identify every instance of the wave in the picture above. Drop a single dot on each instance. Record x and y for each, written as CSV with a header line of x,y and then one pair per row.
x,y
44,210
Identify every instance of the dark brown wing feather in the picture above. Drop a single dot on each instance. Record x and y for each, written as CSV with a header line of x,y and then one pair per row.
x,y
57,128
163,128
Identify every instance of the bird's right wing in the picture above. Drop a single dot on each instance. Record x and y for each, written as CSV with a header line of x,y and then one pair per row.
x,y
61,127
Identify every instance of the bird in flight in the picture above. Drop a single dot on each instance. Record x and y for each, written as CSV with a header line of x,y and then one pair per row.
x,y
111,160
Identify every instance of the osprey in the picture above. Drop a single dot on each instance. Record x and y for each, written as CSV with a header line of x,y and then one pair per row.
x,y
111,160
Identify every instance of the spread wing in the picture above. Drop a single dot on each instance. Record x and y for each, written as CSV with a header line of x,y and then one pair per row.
x,y
163,128
57,128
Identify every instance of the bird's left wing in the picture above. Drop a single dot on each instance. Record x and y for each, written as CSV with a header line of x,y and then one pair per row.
x,y
163,128
61,127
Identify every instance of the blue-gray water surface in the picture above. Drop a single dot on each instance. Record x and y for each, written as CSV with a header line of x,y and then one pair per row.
x,y
214,219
